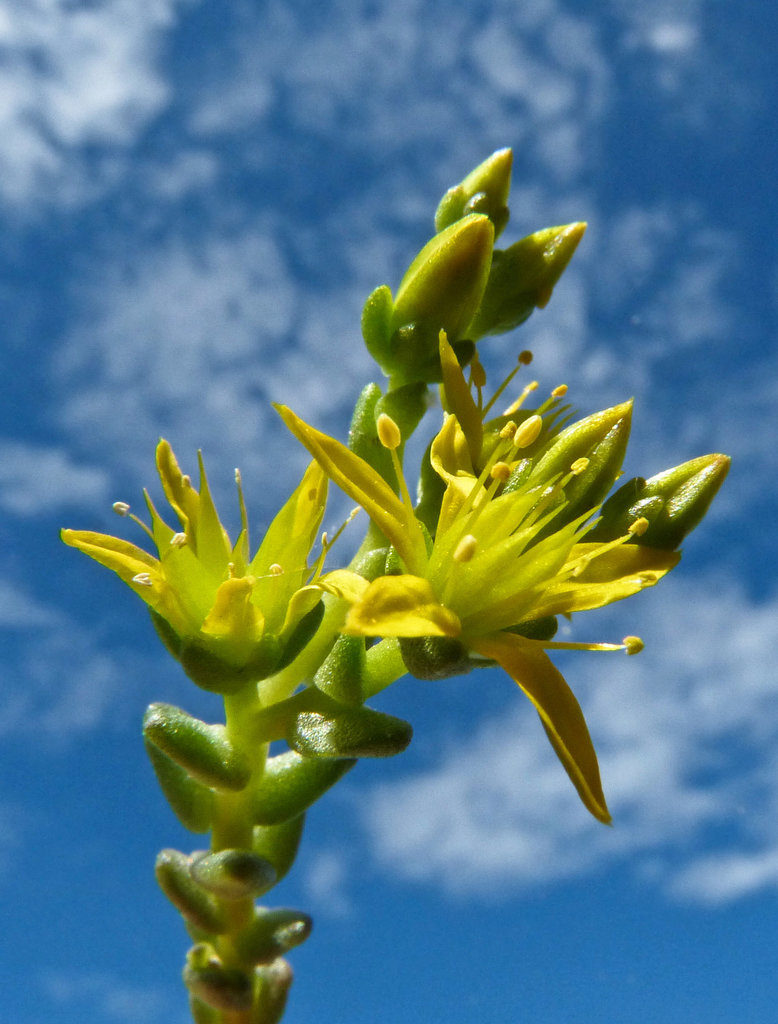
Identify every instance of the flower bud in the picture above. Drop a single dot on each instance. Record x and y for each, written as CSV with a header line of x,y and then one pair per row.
x,y
172,869
233,874
203,750
522,278
484,190
673,502
291,783
353,732
273,932
191,801
602,440
443,286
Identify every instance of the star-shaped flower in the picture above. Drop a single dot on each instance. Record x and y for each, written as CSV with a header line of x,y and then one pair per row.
x,y
228,616
505,559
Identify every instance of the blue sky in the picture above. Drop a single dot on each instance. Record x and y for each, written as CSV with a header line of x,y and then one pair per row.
x,y
196,198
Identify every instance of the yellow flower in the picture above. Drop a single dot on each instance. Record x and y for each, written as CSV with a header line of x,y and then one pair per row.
x,y
503,561
228,616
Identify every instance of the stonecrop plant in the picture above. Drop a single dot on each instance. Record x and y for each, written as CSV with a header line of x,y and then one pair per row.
x,y
511,528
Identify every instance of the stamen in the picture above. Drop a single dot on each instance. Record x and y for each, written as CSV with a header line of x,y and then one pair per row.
x,y
639,527
276,569
633,644
560,391
388,432
477,374
515,406
121,508
143,579
579,466
508,431
178,540
528,432
466,548
500,471
525,358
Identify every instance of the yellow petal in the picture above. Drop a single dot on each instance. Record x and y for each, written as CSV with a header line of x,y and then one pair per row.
x,y
124,558
368,488
459,399
401,606
612,576
530,667
344,584
178,489
233,616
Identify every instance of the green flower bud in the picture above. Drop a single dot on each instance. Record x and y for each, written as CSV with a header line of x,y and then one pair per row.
x,y
522,278
209,981
273,932
291,783
203,750
191,802
172,869
443,286
353,732
602,440
233,874
484,190
673,502
279,843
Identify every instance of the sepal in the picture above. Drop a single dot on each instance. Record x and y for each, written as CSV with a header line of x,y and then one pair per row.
x,y
201,910
203,750
191,801
232,874
434,657
272,933
291,783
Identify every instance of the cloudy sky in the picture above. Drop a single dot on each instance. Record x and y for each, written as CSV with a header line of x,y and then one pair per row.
x,y
196,198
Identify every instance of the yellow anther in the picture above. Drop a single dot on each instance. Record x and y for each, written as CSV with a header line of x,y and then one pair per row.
x,y
388,432
639,527
560,391
500,471
465,549
143,580
478,374
633,644
579,466
507,432
178,540
528,431
121,508
276,569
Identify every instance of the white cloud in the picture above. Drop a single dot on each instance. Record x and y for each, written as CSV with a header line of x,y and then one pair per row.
x,y
74,75
108,996
36,480
672,731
